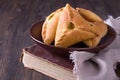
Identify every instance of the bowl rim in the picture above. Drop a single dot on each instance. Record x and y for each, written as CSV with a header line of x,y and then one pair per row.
x,y
72,48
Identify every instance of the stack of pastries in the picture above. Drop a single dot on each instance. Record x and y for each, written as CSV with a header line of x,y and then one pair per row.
x,y
68,26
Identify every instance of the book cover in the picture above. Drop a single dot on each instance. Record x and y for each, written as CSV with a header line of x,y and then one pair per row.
x,y
53,65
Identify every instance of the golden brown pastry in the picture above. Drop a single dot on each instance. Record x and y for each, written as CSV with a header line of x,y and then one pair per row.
x,y
73,28
97,22
88,15
50,25
67,26
102,29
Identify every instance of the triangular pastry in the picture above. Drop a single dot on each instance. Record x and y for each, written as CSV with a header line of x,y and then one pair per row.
x,y
88,15
73,28
50,25
102,29
67,26
100,26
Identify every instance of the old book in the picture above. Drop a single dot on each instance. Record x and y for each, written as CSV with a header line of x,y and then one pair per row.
x,y
41,60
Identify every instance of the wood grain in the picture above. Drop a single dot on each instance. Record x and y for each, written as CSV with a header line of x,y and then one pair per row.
x,y
16,17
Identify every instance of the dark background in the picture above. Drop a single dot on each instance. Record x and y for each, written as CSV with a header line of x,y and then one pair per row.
x,y
16,17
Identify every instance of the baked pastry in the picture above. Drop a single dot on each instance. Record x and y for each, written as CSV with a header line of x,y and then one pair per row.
x,y
73,28
49,26
96,21
67,26
102,29
88,15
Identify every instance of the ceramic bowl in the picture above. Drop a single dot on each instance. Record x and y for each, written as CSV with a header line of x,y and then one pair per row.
x,y
35,34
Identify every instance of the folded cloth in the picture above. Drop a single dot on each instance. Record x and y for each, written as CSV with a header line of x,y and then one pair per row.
x,y
102,66
115,23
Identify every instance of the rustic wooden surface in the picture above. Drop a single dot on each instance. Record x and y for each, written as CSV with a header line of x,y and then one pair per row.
x,y
16,16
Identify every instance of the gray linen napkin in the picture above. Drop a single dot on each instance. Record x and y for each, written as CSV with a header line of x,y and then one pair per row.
x,y
102,66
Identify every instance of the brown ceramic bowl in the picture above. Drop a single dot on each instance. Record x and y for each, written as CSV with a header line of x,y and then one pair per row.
x,y
35,33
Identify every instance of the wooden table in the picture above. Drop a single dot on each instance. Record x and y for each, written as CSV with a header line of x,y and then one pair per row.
x,y
16,17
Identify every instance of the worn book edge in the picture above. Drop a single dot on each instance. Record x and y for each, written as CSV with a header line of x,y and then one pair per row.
x,y
46,67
